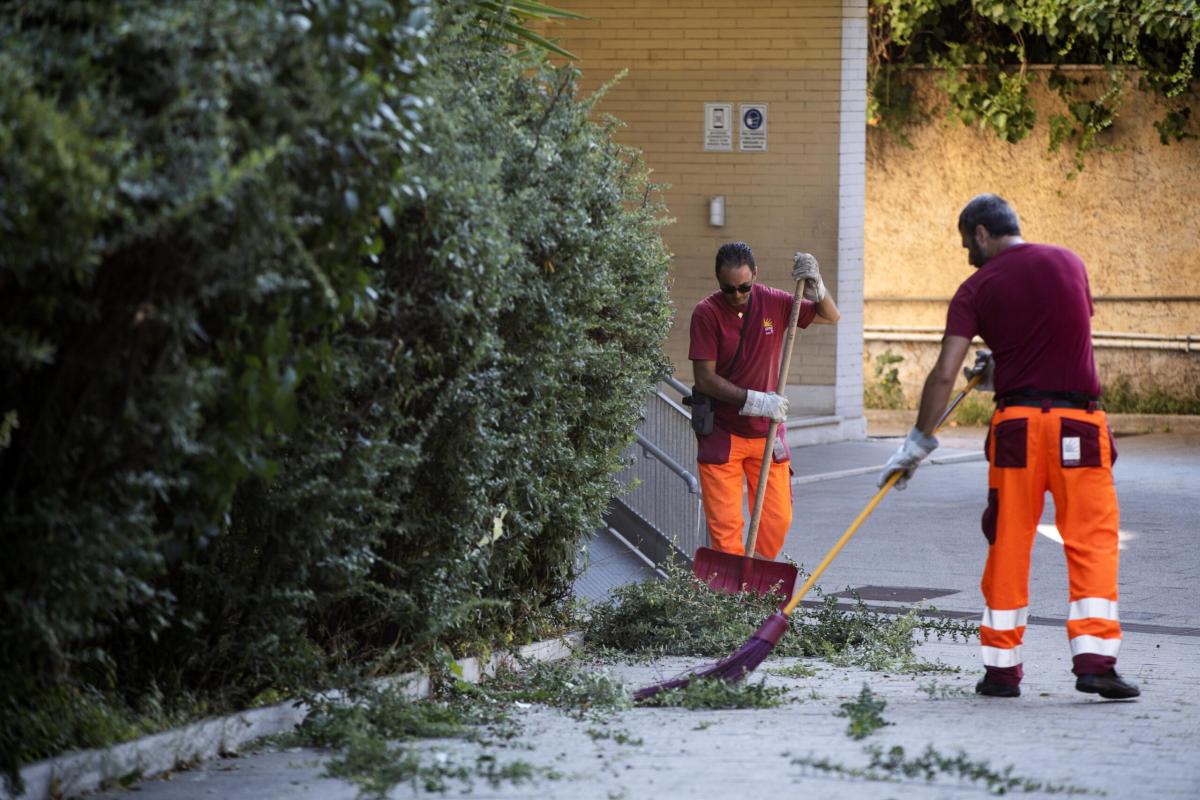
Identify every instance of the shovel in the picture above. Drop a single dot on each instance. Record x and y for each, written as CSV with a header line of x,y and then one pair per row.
x,y
730,573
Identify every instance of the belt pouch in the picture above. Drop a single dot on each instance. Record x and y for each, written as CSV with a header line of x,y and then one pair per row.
x,y
702,412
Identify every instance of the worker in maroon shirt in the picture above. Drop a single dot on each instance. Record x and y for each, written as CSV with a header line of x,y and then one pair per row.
x,y
1032,305
737,337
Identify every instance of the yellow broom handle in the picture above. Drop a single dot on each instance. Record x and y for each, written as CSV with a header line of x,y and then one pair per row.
x,y
866,512
837,548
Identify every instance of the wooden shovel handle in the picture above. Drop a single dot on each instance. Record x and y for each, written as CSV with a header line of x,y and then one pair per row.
x,y
788,343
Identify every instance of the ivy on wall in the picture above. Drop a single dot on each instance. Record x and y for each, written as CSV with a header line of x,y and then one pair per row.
x,y
983,50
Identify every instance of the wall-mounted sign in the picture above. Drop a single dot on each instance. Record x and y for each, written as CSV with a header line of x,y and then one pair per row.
x,y
718,126
754,127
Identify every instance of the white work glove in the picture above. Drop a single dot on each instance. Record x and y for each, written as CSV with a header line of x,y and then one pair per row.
x,y
805,268
765,404
984,363
906,460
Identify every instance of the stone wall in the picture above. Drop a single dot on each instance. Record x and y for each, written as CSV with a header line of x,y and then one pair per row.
x,y
1133,214
1175,371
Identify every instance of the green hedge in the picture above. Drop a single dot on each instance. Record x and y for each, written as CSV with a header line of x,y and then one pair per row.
x,y
324,327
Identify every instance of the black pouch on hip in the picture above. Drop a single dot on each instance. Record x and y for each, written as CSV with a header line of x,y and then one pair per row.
x,y
702,412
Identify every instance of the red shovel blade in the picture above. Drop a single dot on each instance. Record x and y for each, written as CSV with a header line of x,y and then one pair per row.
x,y
728,573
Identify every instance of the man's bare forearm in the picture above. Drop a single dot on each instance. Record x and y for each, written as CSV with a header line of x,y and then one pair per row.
x,y
940,382
827,311
934,397
713,385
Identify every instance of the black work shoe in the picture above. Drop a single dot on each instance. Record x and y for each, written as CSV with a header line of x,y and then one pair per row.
x,y
992,689
1108,685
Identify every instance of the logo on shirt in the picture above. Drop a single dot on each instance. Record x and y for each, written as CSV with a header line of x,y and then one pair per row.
x,y
768,325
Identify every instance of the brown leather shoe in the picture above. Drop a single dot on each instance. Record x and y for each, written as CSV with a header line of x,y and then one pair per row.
x,y
992,689
1108,685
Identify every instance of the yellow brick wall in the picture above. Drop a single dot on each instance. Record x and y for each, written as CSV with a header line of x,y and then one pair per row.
x,y
680,55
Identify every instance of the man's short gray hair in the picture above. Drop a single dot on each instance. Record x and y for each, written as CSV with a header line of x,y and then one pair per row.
x,y
993,213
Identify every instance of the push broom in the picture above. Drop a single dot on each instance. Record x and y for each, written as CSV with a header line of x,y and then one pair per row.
x,y
737,666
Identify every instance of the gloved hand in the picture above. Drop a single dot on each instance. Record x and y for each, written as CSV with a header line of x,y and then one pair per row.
x,y
765,404
985,364
910,455
805,268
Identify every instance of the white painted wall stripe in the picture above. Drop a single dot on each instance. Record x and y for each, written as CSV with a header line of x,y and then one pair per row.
x,y
1096,645
1094,607
1001,657
1005,620
852,170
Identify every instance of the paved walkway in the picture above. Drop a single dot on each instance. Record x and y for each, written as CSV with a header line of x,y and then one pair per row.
x,y
924,538
928,536
1052,734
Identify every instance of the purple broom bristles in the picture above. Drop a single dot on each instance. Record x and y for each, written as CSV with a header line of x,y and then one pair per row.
x,y
732,668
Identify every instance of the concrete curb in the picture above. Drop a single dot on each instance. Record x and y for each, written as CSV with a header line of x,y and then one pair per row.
x,y
73,774
955,458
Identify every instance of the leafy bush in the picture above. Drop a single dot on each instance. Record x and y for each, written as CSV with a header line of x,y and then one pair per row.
x,y
522,331
178,253
566,685
1121,398
681,616
1119,395
975,410
886,392
708,693
325,326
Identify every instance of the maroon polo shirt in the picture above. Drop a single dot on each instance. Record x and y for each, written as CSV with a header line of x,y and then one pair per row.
x,y
1032,304
714,337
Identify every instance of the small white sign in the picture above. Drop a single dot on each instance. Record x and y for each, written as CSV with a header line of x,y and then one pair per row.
x,y
1070,453
718,126
754,127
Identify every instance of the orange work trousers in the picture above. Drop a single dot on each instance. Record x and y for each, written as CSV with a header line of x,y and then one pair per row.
x,y
1070,453
721,485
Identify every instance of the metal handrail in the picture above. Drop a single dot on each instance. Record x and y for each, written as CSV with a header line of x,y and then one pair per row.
x,y
650,449
664,522
682,388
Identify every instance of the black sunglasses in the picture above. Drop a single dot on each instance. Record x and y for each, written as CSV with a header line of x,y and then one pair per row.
x,y
743,289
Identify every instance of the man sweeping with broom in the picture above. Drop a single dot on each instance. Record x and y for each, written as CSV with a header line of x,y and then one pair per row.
x,y
1032,305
